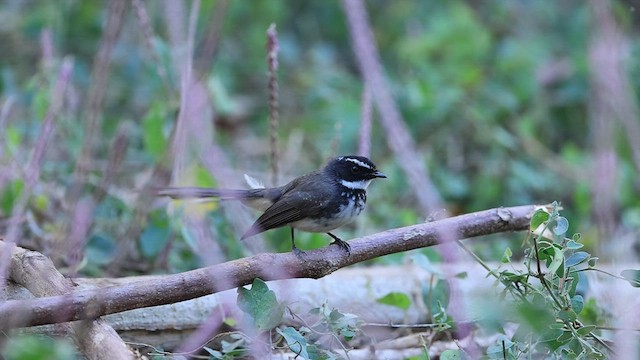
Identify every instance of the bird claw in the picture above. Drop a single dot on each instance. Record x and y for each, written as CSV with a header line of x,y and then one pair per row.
x,y
299,253
342,244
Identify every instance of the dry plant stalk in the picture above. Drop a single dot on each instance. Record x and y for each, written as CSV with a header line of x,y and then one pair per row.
x,y
274,112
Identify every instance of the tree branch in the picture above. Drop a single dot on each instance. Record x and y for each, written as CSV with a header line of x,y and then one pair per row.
x,y
90,304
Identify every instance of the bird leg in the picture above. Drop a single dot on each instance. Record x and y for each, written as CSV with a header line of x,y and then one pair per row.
x,y
343,244
294,249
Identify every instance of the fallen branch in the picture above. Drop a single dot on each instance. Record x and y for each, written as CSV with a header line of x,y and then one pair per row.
x,y
34,271
91,304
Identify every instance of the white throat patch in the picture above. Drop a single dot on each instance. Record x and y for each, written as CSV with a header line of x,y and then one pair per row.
x,y
356,185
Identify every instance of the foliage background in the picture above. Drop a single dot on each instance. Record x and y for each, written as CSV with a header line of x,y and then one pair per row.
x,y
499,97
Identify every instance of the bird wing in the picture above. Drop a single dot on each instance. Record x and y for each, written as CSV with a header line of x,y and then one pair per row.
x,y
291,207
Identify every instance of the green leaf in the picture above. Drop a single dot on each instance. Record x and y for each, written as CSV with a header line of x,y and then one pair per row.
x,y
573,245
203,177
101,249
632,276
295,341
585,330
577,258
229,321
572,283
567,315
507,277
557,259
506,256
452,355
577,303
214,353
152,240
396,299
9,195
13,138
561,226
566,336
436,297
461,275
152,125
497,350
538,218
261,304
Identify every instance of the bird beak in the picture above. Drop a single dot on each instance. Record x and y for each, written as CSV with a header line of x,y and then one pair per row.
x,y
378,174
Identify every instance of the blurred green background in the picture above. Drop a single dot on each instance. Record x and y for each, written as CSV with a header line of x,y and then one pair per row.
x,y
498,96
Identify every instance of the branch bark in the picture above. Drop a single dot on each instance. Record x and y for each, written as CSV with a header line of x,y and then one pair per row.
x,y
91,304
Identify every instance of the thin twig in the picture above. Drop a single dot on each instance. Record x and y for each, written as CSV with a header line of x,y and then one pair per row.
x,y
147,31
366,118
97,92
211,39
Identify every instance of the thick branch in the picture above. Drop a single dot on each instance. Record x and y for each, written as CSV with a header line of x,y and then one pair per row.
x,y
315,264
36,272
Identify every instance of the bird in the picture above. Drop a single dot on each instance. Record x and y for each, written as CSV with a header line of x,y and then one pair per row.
x,y
319,202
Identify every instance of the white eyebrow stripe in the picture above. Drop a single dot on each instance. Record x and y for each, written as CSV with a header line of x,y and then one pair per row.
x,y
356,161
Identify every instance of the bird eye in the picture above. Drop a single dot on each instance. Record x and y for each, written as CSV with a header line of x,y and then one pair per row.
x,y
355,169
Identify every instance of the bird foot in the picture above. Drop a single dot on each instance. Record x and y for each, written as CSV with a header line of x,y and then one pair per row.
x,y
299,253
342,244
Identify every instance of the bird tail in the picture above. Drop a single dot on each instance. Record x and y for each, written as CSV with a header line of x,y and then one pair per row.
x,y
197,193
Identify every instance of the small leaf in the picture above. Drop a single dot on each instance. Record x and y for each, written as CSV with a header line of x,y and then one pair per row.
x,y
152,240
556,262
13,139
577,303
538,218
452,355
295,341
506,256
496,351
577,258
335,315
154,140
10,194
561,227
509,277
203,177
585,330
229,321
566,336
228,347
436,296
567,315
573,245
461,275
593,261
396,299
261,304
214,353
632,276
